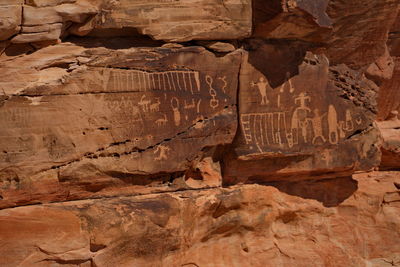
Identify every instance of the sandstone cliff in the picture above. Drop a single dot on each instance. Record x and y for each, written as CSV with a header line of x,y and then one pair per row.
x,y
153,133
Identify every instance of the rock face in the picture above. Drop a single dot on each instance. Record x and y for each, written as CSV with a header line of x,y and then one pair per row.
x,y
315,120
250,225
153,133
162,20
390,130
111,115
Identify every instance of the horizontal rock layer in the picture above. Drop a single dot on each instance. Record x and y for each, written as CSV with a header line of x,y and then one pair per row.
x,y
244,225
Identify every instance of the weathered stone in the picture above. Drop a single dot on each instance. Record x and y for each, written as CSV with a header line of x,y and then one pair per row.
x,y
180,21
248,225
390,130
292,19
33,16
318,120
10,20
389,91
44,3
360,30
119,117
39,33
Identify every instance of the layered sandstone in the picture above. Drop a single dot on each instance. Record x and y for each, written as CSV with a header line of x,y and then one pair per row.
x,y
250,225
199,133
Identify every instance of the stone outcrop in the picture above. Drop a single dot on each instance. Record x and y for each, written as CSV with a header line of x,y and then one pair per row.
x,y
38,21
199,133
90,119
318,120
249,225
390,130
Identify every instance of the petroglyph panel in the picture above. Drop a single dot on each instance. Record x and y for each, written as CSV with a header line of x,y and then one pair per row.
x,y
144,116
301,115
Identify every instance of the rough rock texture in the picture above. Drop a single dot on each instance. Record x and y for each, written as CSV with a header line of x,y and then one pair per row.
x,y
199,133
250,225
390,130
161,19
389,94
86,119
317,120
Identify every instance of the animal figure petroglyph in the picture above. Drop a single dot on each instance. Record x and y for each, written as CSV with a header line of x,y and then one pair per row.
x,y
155,106
162,121
144,103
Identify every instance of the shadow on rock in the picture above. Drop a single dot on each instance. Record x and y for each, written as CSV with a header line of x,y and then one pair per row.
x,y
330,192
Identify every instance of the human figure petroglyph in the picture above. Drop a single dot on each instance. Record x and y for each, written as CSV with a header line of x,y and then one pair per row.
x,y
300,115
162,121
316,122
262,85
302,99
163,152
214,102
175,109
144,103
155,106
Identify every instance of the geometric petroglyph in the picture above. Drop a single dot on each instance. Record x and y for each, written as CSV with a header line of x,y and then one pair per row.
x,y
282,129
136,80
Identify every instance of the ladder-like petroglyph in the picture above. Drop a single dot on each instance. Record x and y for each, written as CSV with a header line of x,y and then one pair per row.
x,y
142,81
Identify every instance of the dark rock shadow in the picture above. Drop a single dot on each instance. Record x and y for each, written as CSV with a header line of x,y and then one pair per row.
x,y
330,192
278,60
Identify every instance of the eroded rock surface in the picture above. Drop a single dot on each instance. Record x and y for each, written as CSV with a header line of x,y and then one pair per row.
x,y
318,120
38,21
84,119
250,225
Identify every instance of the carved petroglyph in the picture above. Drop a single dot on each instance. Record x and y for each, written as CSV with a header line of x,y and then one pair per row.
x,y
142,81
191,105
175,109
262,85
263,129
225,84
162,152
144,103
214,102
155,106
299,119
333,125
198,106
162,121
282,128
349,125
223,79
316,122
